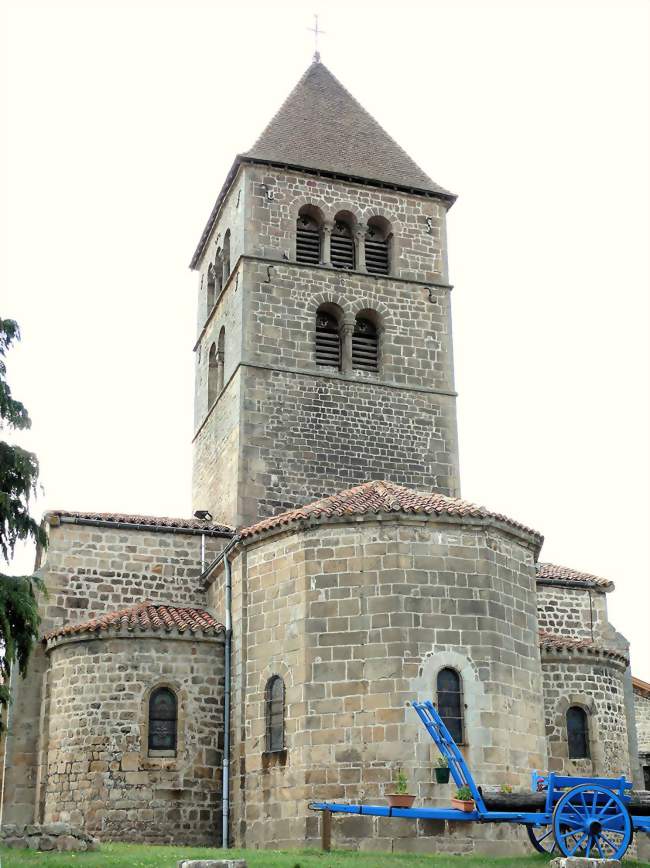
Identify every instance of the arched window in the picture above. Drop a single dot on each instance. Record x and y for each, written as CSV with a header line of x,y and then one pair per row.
x,y
163,720
274,701
342,242
211,284
226,256
365,344
577,725
221,359
308,235
378,236
328,337
213,376
218,273
450,702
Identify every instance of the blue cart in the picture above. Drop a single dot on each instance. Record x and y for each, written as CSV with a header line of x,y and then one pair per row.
x,y
580,817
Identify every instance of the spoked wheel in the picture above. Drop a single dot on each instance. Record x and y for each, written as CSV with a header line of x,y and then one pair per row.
x,y
591,820
542,838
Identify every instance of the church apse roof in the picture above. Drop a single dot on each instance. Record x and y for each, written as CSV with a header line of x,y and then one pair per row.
x,y
381,497
145,617
142,522
553,643
557,575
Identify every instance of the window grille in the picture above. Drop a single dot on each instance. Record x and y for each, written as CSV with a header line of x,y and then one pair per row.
x,y
577,726
376,251
328,341
342,246
275,714
450,702
163,719
365,345
307,240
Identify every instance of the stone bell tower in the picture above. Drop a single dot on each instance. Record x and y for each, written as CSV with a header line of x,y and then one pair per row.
x,y
324,350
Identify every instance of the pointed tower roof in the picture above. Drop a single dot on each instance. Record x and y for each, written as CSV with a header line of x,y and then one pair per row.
x,y
321,126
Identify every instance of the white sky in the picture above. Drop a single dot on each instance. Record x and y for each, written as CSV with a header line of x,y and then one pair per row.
x,y
120,121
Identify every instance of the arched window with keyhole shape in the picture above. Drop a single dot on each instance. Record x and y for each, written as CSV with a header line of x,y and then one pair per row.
x,y
365,342
342,245
328,336
377,245
309,233
274,713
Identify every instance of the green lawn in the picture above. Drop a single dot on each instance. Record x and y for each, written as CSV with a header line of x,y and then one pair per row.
x,y
137,856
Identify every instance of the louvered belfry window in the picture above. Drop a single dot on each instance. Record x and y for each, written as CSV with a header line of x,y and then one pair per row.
x,y
275,714
376,246
307,240
163,719
365,345
342,246
328,340
450,702
577,726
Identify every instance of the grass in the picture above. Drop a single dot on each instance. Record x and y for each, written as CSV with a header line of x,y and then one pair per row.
x,y
144,856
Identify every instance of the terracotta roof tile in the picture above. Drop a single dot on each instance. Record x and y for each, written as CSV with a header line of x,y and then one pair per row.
x,y
553,642
153,521
566,574
382,497
641,686
145,617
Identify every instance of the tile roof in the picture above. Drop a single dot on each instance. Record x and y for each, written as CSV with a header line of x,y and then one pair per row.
x,y
641,686
382,497
321,126
152,521
550,642
145,617
566,574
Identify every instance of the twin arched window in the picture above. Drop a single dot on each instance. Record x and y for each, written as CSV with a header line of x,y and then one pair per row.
x,y
274,714
163,721
577,724
450,702
340,245
330,337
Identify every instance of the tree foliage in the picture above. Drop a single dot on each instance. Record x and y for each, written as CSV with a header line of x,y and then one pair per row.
x,y
19,619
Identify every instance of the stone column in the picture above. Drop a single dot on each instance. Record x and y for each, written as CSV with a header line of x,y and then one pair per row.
x,y
326,256
347,328
360,239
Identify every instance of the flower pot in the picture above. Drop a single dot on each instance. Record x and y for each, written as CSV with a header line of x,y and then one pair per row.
x,y
462,805
442,774
400,800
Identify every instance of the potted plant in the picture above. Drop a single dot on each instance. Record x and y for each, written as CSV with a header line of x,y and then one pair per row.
x,y
400,798
463,800
442,770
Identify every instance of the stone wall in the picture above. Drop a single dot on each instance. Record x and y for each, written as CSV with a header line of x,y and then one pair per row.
x,y
576,612
642,716
358,619
99,772
90,570
597,685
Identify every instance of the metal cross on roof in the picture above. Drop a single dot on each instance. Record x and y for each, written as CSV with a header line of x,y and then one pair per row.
x,y
317,32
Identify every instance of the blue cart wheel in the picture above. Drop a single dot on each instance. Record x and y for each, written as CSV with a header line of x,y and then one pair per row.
x,y
542,838
591,820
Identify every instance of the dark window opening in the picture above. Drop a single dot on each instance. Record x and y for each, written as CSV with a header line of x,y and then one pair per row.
x,y
163,720
211,288
342,246
308,240
328,340
450,702
376,246
577,725
646,777
365,345
275,714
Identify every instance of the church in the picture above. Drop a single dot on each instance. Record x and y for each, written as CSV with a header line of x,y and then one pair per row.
x,y
201,680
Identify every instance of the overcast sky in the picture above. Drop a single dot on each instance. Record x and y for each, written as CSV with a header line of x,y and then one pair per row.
x,y
120,121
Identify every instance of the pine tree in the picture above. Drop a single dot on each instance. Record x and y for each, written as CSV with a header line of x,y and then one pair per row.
x,y
19,469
